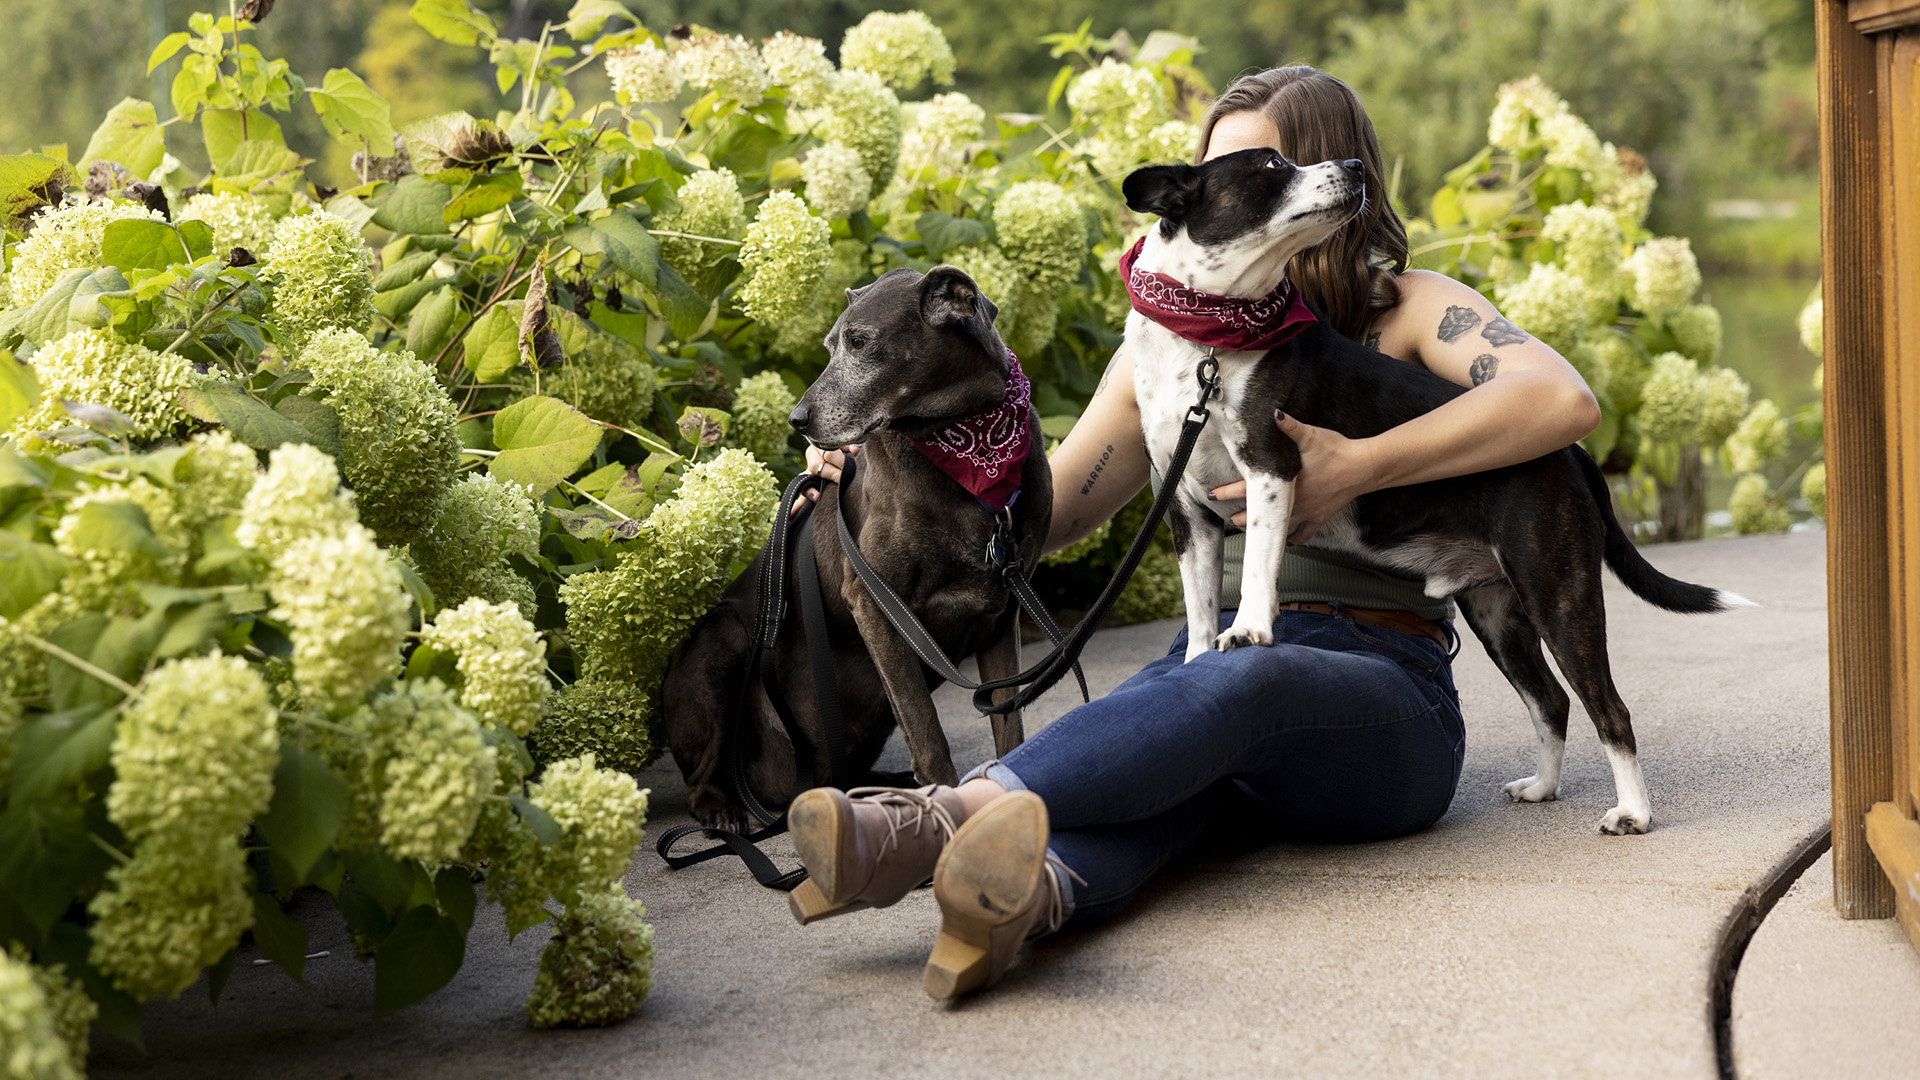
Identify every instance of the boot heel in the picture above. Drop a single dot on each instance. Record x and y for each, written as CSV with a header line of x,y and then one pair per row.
x,y
955,967
810,905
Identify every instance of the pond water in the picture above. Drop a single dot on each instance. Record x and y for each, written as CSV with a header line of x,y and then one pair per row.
x,y
1761,317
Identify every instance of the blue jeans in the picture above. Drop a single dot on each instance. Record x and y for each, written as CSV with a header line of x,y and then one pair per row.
x,y
1339,732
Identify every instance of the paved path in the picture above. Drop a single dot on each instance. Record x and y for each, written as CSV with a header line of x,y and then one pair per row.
x,y
1505,941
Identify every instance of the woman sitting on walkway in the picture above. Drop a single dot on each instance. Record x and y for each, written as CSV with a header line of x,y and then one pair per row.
x,y
1344,730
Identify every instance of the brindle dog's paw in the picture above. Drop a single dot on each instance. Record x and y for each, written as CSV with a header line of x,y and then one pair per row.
x,y
1619,822
1237,636
709,807
1529,789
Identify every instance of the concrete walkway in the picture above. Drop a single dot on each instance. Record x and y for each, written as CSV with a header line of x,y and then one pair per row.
x,y
1507,940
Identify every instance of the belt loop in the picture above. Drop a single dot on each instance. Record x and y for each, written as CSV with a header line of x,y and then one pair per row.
x,y
1452,635
1339,609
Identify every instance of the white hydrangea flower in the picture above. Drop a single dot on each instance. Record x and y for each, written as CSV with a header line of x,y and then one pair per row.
x,y
1672,399
237,221
1756,507
1571,144
1697,329
1550,303
939,131
1631,194
1516,107
96,367
502,661
597,969
1171,143
322,273
1126,102
1590,241
644,73
194,757
65,238
760,409
1724,397
31,1046
1812,322
1760,438
1041,228
903,48
837,183
800,64
214,478
169,913
346,610
602,812
861,112
1813,488
1664,273
787,250
725,64
710,205
298,497
436,771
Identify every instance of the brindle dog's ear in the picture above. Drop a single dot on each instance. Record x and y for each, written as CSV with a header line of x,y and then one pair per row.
x,y
1166,190
948,297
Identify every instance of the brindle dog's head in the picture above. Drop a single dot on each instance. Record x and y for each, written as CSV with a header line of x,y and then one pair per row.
x,y
911,353
1250,205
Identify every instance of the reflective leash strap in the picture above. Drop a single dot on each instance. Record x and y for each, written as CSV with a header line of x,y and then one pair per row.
x,y
1003,555
792,541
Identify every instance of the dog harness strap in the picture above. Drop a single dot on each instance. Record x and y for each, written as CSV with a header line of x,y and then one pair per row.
x,y
1231,323
1004,553
826,681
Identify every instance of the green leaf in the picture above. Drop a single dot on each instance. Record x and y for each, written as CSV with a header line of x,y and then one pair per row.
x,y
321,420
413,207
422,955
941,233
142,244
492,345
217,973
453,888
624,241
588,17
478,201
76,302
192,628
353,113
453,21
432,321
28,182
405,272
164,51
395,303
688,313
545,829
309,807
704,426
251,421
47,860
130,135
116,526
54,751
1059,85
225,130
542,440
279,937
197,235
259,167
384,879
19,390
428,662
417,588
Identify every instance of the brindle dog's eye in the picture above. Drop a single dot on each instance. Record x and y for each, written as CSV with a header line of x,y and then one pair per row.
x,y
858,340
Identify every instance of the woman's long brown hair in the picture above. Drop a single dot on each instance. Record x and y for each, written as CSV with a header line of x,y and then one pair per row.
x,y
1350,276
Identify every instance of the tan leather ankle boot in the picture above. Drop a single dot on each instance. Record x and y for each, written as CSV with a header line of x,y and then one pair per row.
x,y
867,847
996,889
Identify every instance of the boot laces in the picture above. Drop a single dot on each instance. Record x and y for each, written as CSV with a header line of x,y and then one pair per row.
x,y
1056,904
905,808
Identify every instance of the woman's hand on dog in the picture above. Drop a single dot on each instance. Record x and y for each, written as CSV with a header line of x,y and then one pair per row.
x,y
826,465
1334,471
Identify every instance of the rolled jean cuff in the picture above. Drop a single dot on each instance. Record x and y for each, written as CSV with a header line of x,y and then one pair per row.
x,y
991,769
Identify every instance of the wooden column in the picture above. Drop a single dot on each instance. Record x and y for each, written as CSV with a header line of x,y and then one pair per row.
x,y
1898,58
1858,583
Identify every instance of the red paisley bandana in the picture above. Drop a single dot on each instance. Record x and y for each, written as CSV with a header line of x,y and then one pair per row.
x,y
985,451
1221,322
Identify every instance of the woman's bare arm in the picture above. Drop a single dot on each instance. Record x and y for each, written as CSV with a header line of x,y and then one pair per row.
x,y
1102,463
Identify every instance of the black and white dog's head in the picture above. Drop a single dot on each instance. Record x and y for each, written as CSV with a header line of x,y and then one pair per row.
x,y
912,352
1252,210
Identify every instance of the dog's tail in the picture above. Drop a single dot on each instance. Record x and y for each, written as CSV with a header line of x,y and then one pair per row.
x,y
1635,572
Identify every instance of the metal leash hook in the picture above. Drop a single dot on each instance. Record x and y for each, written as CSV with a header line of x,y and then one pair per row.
x,y
1208,376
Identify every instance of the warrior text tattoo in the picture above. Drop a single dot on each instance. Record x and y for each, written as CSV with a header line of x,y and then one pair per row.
x,y
1501,332
1095,474
1485,366
1373,340
1457,321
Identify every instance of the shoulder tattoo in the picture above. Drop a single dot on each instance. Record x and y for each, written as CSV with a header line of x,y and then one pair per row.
x,y
1485,366
1501,332
1106,377
1373,340
1456,322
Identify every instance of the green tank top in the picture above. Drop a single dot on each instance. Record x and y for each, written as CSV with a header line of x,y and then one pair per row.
x,y
1314,574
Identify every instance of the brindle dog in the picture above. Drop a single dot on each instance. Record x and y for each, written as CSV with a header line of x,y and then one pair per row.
x,y
911,354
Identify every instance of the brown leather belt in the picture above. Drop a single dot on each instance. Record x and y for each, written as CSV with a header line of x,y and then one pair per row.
x,y
1400,622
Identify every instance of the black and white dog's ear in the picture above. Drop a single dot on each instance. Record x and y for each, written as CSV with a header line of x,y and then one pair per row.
x,y
1166,190
948,297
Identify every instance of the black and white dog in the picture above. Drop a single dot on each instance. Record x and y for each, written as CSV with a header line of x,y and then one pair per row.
x,y
1518,548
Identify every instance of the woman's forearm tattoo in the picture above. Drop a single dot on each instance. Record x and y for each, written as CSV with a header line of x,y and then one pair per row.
x,y
1485,366
1097,469
1501,332
1456,322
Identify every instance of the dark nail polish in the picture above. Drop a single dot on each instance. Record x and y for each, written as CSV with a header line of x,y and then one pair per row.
x,y
1211,497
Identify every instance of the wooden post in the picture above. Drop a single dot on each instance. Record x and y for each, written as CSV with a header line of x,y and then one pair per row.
x,y
1858,584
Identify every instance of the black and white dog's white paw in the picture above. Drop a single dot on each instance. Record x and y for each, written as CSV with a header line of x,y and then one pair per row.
x,y
1237,636
1623,822
1530,789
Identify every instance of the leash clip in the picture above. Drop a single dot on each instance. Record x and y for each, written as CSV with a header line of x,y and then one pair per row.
x,y
1002,552
1208,376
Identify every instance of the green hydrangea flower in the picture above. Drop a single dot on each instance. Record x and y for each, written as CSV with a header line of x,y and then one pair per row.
x,y
1760,438
1040,227
938,132
1626,368
644,73
298,497
194,756
1756,507
214,478
604,376
1697,328
65,238
1724,402
1813,488
802,337
1170,143
800,64
837,183
33,1045
1631,194
903,49
787,251
237,221
1811,322
862,113
103,573
1571,144
502,661
346,610
436,769
397,437
169,913
1126,101
603,814
1664,273
1590,243
1673,399
322,276
1518,106
96,368
1550,303
710,205
599,966
725,64
760,409
610,719
464,554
